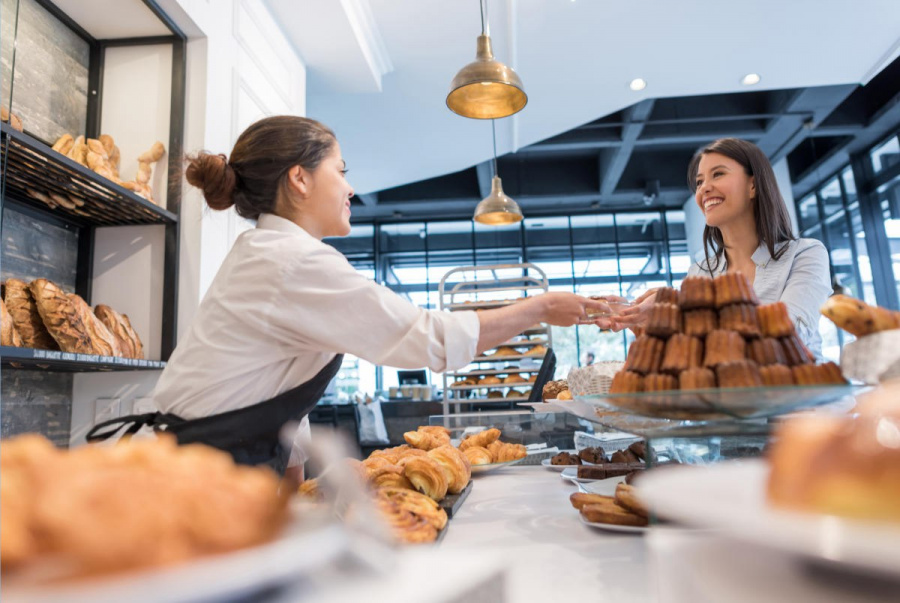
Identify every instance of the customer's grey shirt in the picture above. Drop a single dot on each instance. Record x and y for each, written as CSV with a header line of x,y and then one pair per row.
x,y
800,278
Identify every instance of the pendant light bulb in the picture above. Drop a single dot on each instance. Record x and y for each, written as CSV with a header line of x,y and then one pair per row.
x,y
497,208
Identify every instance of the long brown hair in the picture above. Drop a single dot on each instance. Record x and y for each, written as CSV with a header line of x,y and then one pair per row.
x,y
259,163
773,223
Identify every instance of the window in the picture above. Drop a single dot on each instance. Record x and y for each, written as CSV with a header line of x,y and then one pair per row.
x,y
885,155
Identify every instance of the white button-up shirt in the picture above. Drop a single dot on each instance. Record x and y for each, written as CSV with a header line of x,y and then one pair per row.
x,y
280,308
800,278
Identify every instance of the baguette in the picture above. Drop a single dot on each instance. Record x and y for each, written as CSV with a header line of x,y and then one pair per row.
x,y
60,317
26,318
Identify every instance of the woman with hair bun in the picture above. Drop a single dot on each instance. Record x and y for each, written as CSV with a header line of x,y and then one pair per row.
x,y
284,307
748,230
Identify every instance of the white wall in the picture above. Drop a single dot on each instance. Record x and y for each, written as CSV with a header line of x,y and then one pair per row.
x,y
240,67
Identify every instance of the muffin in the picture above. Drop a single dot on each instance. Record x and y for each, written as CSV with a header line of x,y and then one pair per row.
x,y
766,351
593,454
658,383
645,355
734,288
741,318
700,322
626,382
741,373
723,346
664,320
697,378
666,295
682,352
565,458
697,292
776,374
795,352
818,374
775,321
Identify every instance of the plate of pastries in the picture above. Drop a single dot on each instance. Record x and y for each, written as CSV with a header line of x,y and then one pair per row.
x,y
828,491
487,452
624,511
710,350
147,520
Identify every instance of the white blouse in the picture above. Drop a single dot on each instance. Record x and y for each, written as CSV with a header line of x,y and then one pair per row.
x,y
280,308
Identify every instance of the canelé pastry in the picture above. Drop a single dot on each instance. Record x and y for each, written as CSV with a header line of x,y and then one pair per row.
x,y
818,374
682,352
645,355
697,292
723,346
699,322
658,382
626,382
734,288
795,352
741,318
666,295
664,320
697,378
774,320
776,374
766,351
742,373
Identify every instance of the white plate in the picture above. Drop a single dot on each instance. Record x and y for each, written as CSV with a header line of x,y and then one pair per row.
x,y
493,466
731,497
301,549
604,487
613,527
546,463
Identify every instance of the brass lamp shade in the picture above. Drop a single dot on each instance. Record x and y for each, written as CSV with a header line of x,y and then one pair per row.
x,y
486,88
497,209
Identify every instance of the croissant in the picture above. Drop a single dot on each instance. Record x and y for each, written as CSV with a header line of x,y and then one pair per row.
x,y
9,335
455,465
478,455
391,454
405,526
408,455
484,439
417,504
503,452
438,431
376,462
389,475
427,476
423,440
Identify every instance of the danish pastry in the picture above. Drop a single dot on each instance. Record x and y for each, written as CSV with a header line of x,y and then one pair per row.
x,y
405,527
503,452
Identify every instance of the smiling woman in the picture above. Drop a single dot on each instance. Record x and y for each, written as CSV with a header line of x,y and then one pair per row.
x,y
748,230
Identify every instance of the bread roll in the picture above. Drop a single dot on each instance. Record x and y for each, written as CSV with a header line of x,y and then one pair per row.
x,y
104,342
61,318
427,476
119,325
152,155
26,318
8,334
455,465
108,143
63,144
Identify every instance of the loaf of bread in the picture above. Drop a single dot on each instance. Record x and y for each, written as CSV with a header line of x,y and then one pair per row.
x,y
8,334
26,318
61,318
119,325
103,342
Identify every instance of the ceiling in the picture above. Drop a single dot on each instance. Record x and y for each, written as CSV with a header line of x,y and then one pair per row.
x,y
381,82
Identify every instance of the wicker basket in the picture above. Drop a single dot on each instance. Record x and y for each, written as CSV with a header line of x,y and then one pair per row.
x,y
593,380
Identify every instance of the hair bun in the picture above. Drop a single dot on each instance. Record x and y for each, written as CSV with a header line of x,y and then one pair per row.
x,y
215,177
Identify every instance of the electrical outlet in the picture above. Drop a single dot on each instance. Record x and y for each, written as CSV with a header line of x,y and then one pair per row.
x,y
106,409
143,406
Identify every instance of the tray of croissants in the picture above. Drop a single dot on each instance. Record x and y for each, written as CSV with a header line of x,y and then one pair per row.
x,y
711,351
418,486
42,316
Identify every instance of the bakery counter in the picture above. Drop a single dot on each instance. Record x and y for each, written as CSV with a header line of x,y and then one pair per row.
x,y
523,514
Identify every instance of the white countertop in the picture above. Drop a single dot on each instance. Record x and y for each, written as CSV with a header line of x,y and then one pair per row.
x,y
524,514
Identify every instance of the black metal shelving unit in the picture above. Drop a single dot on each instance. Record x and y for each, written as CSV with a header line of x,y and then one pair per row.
x,y
64,362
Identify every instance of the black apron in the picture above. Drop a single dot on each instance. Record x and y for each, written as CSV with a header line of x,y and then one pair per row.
x,y
250,434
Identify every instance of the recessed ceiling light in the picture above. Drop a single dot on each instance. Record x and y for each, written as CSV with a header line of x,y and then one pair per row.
x,y
750,79
637,84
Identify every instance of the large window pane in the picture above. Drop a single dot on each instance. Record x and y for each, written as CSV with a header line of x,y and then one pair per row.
x,y
889,194
840,251
831,197
885,155
808,212
862,256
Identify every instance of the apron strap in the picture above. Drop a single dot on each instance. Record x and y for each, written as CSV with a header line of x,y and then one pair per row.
x,y
156,420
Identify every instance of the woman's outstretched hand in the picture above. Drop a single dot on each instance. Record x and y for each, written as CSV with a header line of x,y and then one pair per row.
x,y
566,309
634,317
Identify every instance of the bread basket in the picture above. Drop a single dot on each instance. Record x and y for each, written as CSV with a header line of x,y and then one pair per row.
x,y
872,358
594,379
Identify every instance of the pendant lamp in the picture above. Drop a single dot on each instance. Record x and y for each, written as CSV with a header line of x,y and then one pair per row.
x,y
497,208
486,88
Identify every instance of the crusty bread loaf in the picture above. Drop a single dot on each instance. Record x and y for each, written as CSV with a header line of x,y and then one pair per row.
x,y
103,342
8,333
60,317
120,327
135,340
26,318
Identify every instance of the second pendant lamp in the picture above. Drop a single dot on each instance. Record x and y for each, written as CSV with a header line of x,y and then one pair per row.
x,y
497,208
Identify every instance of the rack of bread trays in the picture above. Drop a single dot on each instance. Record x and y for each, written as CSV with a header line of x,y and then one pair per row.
x,y
420,485
505,374
710,359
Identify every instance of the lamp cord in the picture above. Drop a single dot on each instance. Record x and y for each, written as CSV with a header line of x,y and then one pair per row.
x,y
494,135
485,25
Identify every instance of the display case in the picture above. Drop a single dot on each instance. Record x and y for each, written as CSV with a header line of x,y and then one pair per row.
x,y
503,376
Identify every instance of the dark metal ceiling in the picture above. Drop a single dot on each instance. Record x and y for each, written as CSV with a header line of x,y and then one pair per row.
x,y
637,157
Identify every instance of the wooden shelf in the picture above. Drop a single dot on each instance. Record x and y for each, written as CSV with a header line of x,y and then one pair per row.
x,y
32,166
65,362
